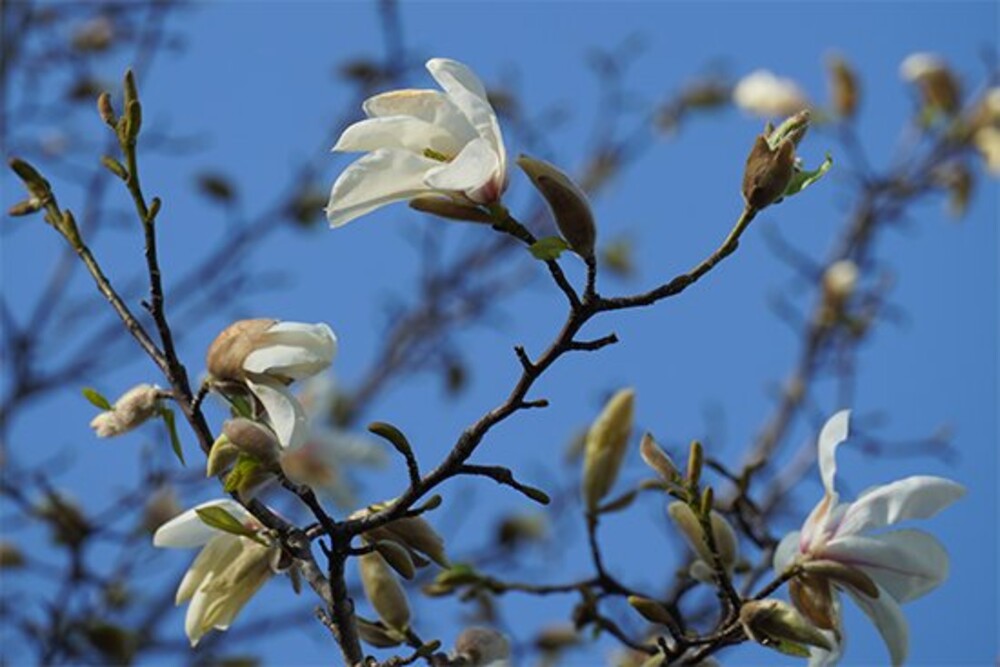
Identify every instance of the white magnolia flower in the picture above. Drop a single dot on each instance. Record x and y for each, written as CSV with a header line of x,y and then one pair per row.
x,y
267,355
422,142
764,94
225,574
879,572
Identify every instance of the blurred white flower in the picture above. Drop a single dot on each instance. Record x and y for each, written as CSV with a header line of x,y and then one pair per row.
x,y
422,142
133,408
880,571
937,83
227,572
764,94
267,355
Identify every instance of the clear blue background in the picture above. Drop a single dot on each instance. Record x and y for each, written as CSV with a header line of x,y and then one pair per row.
x,y
256,78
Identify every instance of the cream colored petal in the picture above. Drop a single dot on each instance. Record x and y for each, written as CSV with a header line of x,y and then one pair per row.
x,y
379,178
431,106
786,551
468,94
833,433
888,618
471,169
187,530
293,350
287,417
213,558
401,132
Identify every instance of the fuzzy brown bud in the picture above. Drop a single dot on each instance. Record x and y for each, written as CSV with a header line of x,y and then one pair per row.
x,y
253,439
133,408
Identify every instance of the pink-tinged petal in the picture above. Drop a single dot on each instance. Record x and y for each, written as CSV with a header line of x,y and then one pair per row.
x,y
468,94
401,132
918,497
834,432
888,618
786,551
431,106
287,417
379,178
906,563
187,530
474,167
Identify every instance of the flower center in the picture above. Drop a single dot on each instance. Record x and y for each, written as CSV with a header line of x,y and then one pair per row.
x,y
434,155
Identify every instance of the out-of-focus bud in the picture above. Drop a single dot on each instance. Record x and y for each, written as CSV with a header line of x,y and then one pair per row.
x,y
725,537
397,557
696,457
985,128
651,610
384,592
133,408
480,647
412,532
10,556
222,455
378,635
606,443
66,518
568,203
94,35
37,186
840,280
106,111
161,507
556,638
216,186
521,529
844,87
657,459
764,94
938,85
253,439
450,209
773,622
26,207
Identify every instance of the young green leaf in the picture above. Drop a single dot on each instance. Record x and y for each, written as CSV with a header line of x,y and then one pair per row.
x,y
218,518
244,469
96,398
548,248
803,179
175,442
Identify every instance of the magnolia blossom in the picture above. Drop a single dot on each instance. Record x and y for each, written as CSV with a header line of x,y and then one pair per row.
x,y
764,94
836,551
422,142
226,573
266,355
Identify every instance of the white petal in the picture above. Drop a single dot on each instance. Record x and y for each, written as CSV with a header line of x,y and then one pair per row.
x,y
786,551
187,530
377,179
819,657
906,563
885,613
474,167
287,417
834,432
213,557
918,497
293,349
764,94
404,132
468,94
431,106
193,625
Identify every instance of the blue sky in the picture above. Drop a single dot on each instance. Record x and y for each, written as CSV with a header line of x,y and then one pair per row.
x,y
256,79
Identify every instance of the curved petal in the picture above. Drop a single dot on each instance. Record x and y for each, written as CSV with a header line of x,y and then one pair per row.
x,y
187,530
918,497
888,618
466,91
214,556
193,625
379,178
293,349
786,551
403,132
833,433
474,167
287,417
906,563
431,106
819,657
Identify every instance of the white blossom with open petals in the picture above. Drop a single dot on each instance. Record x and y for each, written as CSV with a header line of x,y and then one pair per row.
x,y
762,93
879,572
227,572
422,142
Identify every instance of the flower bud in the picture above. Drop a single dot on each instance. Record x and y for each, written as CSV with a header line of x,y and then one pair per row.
x,y
764,94
813,596
657,459
725,537
10,556
695,461
450,209
605,447
384,592
651,610
378,635
253,439
105,110
26,207
480,647
843,87
133,408
938,85
397,557
768,172
840,281
37,186
230,348
222,455
412,532
773,621
567,201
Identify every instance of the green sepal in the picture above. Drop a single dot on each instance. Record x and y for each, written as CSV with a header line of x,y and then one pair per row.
x,y
96,398
218,518
788,648
549,248
243,470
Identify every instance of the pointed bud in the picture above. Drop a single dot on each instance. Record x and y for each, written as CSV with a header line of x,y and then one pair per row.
x,y
651,610
397,557
773,621
26,207
37,186
449,209
115,167
605,448
657,459
694,464
844,88
230,348
768,172
479,647
221,457
254,440
378,635
384,592
106,111
133,408
690,526
567,201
